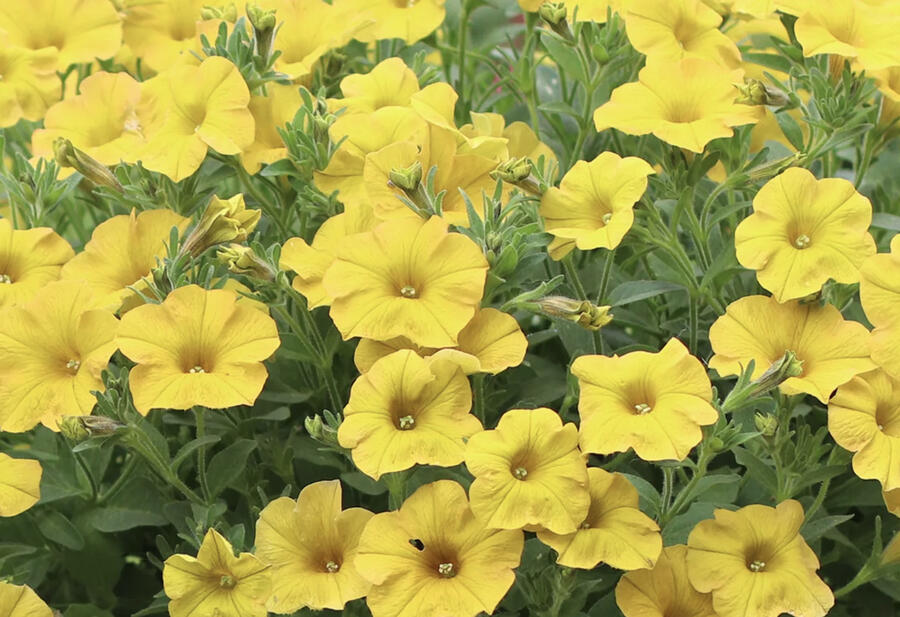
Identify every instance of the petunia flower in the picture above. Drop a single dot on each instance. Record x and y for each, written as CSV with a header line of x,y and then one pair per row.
x,y
223,221
80,30
529,473
892,501
406,411
29,259
216,582
663,590
652,402
491,343
53,350
410,20
20,487
21,601
390,83
879,293
864,417
30,84
433,558
270,113
701,109
199,347
615,531
758,328
594,204
121,253
804,231
311,545
756,564
407,277
516,140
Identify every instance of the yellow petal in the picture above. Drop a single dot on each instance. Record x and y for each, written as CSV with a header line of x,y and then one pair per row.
x,y
20,481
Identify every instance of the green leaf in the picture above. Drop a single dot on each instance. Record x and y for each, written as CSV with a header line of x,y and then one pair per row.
x,y
363,483
772,61
190,447
678,529
564,56
883,220
815,529
758,470
227,465
649,495
791,129
137,504
56,527
633,291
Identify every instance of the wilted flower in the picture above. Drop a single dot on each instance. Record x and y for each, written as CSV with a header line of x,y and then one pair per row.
x,y
223,221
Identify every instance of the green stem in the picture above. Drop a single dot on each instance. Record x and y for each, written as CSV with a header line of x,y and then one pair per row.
x,y
89,475
604,276
575,281
200,417
116,486
478,396
862,577
161,467
693,325
687,493
620,459
463,39
396,484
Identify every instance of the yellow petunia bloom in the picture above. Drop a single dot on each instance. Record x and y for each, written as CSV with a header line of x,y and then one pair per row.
x,y
864,417
892,501
663,590
668,30
757,9
407,277
615,531
223,221
410,20
517,140
270,113
433,558
879,292
529,473
162,31
594,204
80,30
199,347
53,350
389,84
652,402
121,252
311,545
701,109
29,259
21,601
406,411
804,231
212,113
758,328
491,343
756,564
30,84
215,582
20,487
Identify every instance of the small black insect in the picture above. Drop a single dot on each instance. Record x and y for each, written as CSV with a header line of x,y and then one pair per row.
x,y
417,543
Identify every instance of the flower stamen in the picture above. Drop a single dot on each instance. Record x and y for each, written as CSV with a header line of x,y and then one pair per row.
x,y
332,567
606,218
520,473
802,241
408,291
196,369
73,365
5,280
227,582
447,570
406,423
643,409
757,566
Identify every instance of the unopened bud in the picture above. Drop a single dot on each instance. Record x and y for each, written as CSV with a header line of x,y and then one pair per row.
x,y
582,312
765,424
554,14
263,22
789,365
68,155
242,259
407,178
80,428
228,12
223,221
321,430
600,53
513,171
755,92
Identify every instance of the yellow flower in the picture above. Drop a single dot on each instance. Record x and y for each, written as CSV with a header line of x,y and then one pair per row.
x,y
223,221
864,417
81,30
30,83
701,109
21,601
161,31
212,113
199,347
756,564
879,291
215,582
53,350
410,20
29,259
758,328
892,501
594,204
407,277
517,140
102,120
311,545
433,558
615,531
850,29
390,84
492,342
652,402
270,113
668,30
406,411
804,231
20,487
120,254
663,590
528,472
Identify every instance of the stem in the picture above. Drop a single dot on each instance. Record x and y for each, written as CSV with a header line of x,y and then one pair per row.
x,y
89,475
862,577
604,276
463,36
478,396
692,322
575,281
686,493
116,486
200,417
396,484
161,467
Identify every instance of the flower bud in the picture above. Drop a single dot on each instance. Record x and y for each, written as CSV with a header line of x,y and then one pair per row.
x,y
789,365
80,428
223,221
554,14
68,155
263,22
765,424
755,92
227,12
513,171
321,431
582,312
242,259
407,178
600,53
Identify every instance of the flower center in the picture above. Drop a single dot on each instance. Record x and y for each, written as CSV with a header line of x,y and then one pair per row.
x,y
408,291
757,566
227,582
520,473
406,423
802,241
606,218
447,570
196,369
5,280
585,525
73,365
888,420
642,409
332,567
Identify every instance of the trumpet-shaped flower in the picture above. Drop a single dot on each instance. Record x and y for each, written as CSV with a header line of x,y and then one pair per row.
x,y
410,20
311,545
20,487
701,109
216,582
53,350
853,30
615,531
270,113
199,347
390,84
756,564
29,259
120,254
28,82
594,204
864,417
663,590
758,328
406,411
492,342
652,402
804,231
433,558
223,221
407,277
21,601
160,32
529,472
879,292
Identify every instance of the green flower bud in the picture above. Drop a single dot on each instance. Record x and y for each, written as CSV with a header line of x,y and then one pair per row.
x,y
242,259
223,221
68,155
513,171
765,424
581,312
789,365
755,92
600,53
227,12
407,178
81,428
554,14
